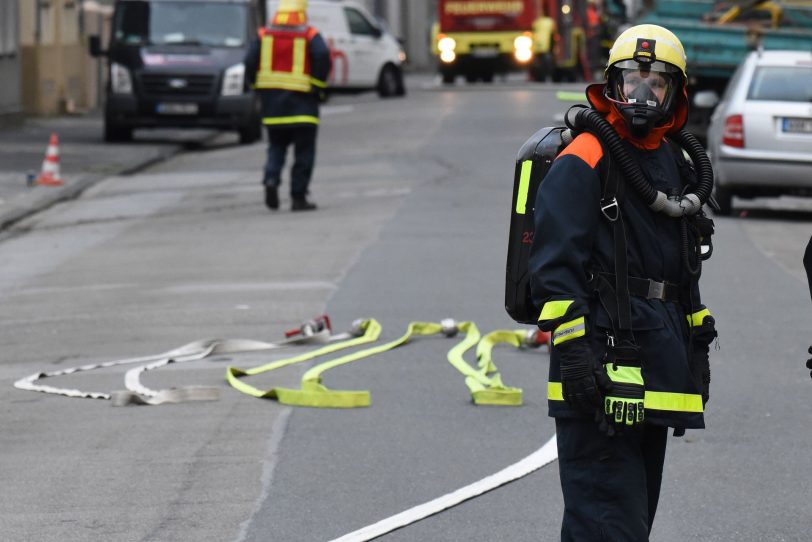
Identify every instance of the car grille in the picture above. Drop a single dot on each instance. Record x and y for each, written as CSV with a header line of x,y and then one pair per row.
x,y
178,85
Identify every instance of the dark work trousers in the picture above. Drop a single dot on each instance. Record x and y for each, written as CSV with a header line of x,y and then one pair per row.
x,y
611,485
303,139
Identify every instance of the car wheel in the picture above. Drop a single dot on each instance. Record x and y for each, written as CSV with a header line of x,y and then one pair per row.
x,y
116,133
448,77
390,82
724,201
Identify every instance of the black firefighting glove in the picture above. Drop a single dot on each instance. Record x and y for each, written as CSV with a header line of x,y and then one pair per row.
x,y
703,336
809,362
623,405
583,379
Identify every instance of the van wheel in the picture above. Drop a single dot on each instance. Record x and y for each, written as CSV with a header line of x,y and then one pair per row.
x,y
448,77
115,133
390,82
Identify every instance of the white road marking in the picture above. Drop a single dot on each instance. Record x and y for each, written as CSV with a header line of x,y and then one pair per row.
x,y
538,459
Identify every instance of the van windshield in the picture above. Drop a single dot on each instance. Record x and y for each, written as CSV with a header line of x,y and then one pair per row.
x,y
213,24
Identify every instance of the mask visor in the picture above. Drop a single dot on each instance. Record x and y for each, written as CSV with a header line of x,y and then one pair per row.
x,y
652,85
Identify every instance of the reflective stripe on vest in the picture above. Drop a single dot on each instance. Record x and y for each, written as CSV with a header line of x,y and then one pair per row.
x,y
284,62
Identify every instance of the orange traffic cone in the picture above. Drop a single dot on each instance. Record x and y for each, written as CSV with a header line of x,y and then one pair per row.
x,y
50,176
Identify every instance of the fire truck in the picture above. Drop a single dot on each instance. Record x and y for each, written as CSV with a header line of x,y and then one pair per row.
x,y
480,38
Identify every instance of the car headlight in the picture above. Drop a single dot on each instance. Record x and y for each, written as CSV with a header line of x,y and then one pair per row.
x,y
234,80
120,80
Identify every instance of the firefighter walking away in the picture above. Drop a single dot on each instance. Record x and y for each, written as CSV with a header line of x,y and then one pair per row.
x,y
288,64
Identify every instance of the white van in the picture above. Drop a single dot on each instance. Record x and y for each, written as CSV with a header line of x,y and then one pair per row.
x,y
365,55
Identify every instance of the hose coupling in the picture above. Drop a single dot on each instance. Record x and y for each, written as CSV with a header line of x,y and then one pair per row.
x,y
449,327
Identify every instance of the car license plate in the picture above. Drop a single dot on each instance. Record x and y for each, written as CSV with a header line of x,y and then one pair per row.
x,y
173,108
797,126
485,52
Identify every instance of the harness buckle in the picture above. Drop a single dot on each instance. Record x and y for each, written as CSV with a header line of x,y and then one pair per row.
x,y
656,290
610,210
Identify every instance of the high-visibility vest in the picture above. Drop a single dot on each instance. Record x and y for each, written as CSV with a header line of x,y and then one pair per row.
x,y
284,62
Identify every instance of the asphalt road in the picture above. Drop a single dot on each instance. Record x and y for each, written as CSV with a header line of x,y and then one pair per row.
x,y
414,199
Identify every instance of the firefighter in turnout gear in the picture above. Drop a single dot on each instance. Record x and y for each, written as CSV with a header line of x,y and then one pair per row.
x,y
597,262
288,64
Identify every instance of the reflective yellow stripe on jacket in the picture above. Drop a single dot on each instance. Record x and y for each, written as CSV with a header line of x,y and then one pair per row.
x,y
697,318
654,400
295,119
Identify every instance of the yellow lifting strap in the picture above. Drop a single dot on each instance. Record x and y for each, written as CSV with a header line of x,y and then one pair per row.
x,y
312,392
486,383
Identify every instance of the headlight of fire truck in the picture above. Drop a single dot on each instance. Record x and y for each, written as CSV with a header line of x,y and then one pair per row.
x,y
523,48
446,45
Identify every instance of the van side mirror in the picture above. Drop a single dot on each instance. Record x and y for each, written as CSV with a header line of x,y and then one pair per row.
x,y
94,45
377,32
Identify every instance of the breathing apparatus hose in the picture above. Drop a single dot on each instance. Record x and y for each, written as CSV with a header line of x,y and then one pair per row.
x,y
581,118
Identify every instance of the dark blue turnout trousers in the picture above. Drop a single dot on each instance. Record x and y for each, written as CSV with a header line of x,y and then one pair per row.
x,y
611,485
303,139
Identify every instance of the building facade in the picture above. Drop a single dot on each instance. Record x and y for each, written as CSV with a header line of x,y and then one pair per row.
x,y
10,63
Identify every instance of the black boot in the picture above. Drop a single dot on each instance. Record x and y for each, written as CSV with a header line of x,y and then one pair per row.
x,y
271,198
301,204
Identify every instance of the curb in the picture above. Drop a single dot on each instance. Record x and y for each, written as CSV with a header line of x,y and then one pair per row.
x,y
28,205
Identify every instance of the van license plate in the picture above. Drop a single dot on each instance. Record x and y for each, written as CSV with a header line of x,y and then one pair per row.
x,y
173,108
797,126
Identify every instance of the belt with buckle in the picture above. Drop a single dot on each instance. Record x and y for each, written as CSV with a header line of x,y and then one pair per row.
x,y
650,289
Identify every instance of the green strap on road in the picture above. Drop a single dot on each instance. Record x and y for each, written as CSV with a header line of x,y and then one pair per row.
x,y
486,383
312,392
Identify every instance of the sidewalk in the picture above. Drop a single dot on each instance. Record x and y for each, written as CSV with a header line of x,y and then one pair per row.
x,y
84,158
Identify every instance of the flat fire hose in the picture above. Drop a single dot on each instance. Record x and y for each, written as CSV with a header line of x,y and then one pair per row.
x,y
138,394
312,392
485,383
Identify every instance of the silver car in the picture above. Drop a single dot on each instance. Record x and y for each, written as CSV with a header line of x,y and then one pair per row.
x,y
760,136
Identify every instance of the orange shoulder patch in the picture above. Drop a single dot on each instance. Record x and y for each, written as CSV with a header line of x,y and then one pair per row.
x,y
586,147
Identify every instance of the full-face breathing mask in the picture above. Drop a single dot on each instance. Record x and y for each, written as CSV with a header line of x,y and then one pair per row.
x,y
643,93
